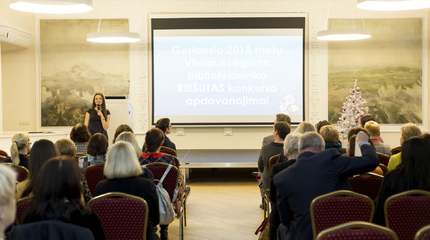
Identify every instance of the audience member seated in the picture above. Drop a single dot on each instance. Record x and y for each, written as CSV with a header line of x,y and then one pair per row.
x,y
305,127
280,131
321,124
153,141
120,129
331,138
291,151
366,118
355,131
7,199
130,138
407,131
20,149
57,196
412,173
41,151
96,150
374,131
80,136
122,170
164,125
351,153
315,172
280,117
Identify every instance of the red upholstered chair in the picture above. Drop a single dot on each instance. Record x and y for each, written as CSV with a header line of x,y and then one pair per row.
x,y
22,172
407,212
168,150
122,216
368,184
423,233
339,207
22,205
94,174
357,231
383,158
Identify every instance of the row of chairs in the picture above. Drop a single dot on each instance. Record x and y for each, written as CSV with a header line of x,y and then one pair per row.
x,y
405,213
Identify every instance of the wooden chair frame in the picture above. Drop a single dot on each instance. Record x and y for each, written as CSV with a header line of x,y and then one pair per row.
x,y
357,224
420,232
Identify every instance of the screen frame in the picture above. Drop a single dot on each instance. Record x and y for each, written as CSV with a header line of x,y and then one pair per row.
x,y
226,22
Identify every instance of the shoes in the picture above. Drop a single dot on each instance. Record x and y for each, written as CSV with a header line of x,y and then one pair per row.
x,y
164,232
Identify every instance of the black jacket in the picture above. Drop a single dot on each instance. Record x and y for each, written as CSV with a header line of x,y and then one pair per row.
x,y
50,230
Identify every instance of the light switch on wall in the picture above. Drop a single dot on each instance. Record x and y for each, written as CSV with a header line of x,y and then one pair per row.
x,y
228,131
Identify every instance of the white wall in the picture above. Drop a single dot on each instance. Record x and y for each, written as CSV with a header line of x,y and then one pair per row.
x,y
137,11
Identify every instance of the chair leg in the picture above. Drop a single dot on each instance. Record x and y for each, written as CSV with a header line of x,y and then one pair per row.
x,y
181,228
185,213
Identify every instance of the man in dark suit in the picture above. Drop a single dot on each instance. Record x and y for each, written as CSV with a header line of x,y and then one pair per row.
x,y
316,172
280,117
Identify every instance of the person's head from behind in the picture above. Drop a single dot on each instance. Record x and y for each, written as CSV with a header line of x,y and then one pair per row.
x,y
154,138
291,146
365,118
408,131
373,129
164,125
121,161
130,138
20,145
330,134
7,197
99,101
282,117
58,182
80,133
321,124
281,130
311,142
352,140
98,144
66,147
415,164
355,131
305,127
120,129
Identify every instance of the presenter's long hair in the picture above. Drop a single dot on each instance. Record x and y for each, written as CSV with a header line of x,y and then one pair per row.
x,y
103,103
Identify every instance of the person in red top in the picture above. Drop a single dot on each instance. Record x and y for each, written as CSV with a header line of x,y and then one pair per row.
x,y
154,139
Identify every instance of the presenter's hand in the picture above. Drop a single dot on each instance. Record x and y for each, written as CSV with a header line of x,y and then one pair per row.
x,y
99,113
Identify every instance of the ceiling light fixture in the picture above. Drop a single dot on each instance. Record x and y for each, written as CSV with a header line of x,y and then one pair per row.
x,y
393,5
119,37
52,6
331,35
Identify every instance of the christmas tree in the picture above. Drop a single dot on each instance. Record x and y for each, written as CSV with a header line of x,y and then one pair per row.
x,y
353,108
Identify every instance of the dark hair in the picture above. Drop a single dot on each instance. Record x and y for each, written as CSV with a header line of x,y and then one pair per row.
x,y
321,124
57,190
282,128
354,131
120,129
97,145
365,118
103,110
163,124
154,138
282,117
80,133
415,165
41,151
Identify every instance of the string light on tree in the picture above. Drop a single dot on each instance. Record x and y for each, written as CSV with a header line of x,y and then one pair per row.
x,y
353,108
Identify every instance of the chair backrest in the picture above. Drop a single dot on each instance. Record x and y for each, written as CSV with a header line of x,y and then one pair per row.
x,y
407,212
123,216
22,172
396,150
357,230
168,150
339,207
368,184
274,160
423,233
94,174
22,206
383,158
170,183
50,230
5,158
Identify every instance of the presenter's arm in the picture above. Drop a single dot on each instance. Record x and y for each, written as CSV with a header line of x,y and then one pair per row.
x,y
87,119
105,121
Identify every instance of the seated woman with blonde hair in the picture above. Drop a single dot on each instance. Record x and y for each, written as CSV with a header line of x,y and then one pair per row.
x,y
19,149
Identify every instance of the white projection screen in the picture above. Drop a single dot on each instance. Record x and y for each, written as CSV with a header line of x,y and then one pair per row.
x,y
228,71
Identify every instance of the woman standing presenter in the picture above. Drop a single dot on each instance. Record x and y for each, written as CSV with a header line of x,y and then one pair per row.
x,y
98,117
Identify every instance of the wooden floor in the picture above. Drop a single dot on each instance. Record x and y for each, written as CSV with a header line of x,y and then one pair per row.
x,y
221,210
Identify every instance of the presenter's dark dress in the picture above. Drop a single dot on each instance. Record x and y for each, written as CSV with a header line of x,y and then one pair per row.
x,y
95,123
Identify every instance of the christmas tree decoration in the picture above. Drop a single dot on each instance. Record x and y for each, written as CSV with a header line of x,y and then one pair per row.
x,y
353,108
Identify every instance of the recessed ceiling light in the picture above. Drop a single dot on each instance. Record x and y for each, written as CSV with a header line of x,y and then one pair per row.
x,y
342,35
393,5
52,6
121,37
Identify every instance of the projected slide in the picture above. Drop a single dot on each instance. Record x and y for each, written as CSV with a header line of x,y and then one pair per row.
x,y
227,76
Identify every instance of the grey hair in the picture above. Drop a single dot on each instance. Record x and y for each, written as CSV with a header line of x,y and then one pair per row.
x,y
130,138
121,161
311,140
305,127
7,185
291,145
